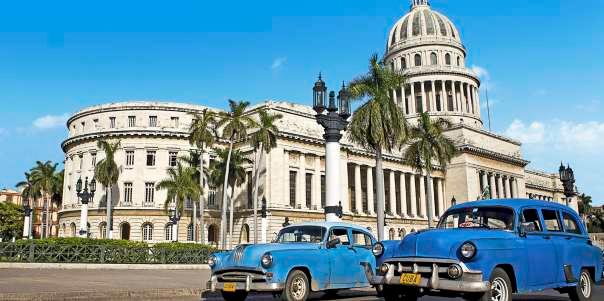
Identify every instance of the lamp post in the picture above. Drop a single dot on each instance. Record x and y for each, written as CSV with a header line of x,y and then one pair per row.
x,y
263,221
85,196
333,122
567,177
27,210
174,218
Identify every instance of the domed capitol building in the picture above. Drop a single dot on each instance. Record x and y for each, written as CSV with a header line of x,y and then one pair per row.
x,y
424,44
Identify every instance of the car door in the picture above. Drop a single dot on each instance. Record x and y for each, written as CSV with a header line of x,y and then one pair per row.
x,y
574,243
361,244
540,269
553,228
341,259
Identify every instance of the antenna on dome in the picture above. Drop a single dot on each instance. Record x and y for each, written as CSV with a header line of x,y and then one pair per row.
x,y
415,3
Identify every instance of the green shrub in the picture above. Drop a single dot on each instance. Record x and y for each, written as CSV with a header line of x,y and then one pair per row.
x,y
78,241
183,246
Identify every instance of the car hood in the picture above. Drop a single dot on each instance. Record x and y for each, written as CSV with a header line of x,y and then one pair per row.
x,y
441,243
250,255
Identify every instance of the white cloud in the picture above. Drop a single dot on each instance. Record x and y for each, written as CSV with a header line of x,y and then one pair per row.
x,y
580,138
278,63
481,72
50,121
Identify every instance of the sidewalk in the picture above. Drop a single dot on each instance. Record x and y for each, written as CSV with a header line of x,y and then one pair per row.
x,y
81,284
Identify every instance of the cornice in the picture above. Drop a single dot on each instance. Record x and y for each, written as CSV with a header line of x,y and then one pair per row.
x,y
123,133
471,149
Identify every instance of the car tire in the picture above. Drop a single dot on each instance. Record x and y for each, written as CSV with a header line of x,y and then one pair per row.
x,y
297,287
500,290
399,293
584,288
234,296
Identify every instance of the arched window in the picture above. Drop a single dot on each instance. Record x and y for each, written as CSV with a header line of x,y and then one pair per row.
x,y
402,232
403,63
448,59
169,229
125,231
147,231
418,60
245,234
392,65
213,234
72,230
103,230
391,234
433,59
190,232
458,61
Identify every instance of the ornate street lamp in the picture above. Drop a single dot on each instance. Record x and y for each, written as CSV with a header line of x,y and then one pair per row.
x,y
27,210
567,177
333,122
263,221
85,197
174,216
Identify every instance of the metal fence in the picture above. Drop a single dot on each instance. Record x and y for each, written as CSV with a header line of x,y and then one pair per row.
x,y
58,253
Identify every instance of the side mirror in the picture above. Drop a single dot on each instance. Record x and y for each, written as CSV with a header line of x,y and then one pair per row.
x,y
526,228
333,243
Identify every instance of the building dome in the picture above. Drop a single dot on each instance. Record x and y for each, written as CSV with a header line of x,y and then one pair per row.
x,y
422,24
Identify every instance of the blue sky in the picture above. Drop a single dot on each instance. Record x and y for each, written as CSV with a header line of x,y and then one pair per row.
x,y
542,60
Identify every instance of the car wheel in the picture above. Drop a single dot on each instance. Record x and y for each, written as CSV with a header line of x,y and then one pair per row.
x,y
399,293
582,292
297,287
234,296
501,288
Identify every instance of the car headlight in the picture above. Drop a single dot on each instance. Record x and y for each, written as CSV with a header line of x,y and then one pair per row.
x,y
212,261
266,260
377,249
468,250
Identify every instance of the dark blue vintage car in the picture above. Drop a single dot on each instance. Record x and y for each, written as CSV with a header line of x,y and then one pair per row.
x,y
324,256
488,250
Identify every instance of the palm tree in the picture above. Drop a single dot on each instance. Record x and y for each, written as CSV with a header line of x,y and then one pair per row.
x,y
181,184
218,169
29,192
107,173
203,135
234,125
43,175
584,204
428,144
263,140
378,124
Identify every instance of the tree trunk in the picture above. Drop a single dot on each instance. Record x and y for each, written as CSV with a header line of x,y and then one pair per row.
x,y
232,200
194,238
202,203
256,184
109,205
225,188
429,199
379,181
48,202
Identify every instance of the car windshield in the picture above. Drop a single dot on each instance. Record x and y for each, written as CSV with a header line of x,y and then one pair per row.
x,y
312,234
501,218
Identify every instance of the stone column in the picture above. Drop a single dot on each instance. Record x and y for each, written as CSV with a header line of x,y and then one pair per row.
x,y
412,195
370,190
392,192
433,197
422,196
455,108
425,102
514,192
404,93
506,184
469,107
395,96
344,184
412,102
500,187
485,181
433,102
358,189
316,202
403,193
441,197
301,187
492,187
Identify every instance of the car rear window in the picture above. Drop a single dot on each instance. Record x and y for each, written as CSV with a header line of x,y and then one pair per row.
x,y
361,239
531,216
551,220
570,224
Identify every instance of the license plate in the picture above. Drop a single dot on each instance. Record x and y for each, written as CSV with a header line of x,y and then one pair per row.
x,y
410,279
229,287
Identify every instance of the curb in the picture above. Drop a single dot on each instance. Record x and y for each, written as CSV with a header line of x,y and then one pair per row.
x,y
95,266
103,295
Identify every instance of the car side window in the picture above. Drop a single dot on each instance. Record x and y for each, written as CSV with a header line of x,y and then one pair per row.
x,y
570,224
360,239
531,216
551,220
342,234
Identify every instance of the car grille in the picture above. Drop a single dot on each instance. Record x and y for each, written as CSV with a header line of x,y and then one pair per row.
x,y
238,253
422,266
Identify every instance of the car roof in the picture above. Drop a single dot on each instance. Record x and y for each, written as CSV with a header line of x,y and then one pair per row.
x,y
512,203
332,224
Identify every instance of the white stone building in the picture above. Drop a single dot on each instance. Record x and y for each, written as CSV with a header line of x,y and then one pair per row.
x,y
424,44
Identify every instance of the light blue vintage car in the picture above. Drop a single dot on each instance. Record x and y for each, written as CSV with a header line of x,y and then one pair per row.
x,y
489,250
321,256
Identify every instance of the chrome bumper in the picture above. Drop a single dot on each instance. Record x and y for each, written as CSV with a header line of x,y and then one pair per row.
x,y
470,282
251,283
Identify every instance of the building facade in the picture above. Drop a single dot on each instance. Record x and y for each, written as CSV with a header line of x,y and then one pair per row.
x,y
423,44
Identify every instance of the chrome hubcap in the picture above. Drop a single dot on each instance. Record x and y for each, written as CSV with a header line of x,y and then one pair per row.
x,y
499,290
585,285
298,288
